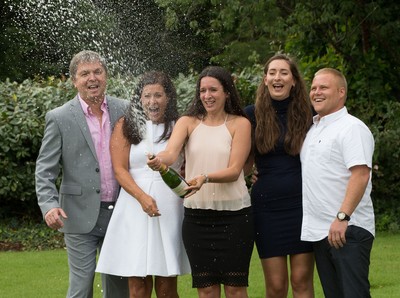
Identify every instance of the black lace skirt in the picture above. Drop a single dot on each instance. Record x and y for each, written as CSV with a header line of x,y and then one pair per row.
x,y
219,245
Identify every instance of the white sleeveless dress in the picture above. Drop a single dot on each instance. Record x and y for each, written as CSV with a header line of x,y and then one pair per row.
x,y
136,244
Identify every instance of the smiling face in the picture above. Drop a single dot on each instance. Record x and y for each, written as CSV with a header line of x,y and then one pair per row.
x,y
154,101
91,81
326,94
279,79
212,94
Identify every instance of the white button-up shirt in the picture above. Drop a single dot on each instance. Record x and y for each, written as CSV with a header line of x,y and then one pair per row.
x,y
334,144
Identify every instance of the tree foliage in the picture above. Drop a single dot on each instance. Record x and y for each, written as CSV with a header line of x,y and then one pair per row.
x,y
41,36
238,33
358,37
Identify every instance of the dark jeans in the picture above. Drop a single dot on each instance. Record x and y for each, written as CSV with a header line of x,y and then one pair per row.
x,y
344,272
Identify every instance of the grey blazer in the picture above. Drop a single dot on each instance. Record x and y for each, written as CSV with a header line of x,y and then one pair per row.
x,y
67,146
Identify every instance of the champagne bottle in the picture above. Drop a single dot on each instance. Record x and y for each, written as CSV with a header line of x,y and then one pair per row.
x,y
172,178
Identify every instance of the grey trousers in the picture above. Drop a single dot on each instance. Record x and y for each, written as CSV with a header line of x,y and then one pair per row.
x,y
344,272
82,250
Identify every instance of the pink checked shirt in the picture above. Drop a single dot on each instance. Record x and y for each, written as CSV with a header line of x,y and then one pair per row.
x,y
101,134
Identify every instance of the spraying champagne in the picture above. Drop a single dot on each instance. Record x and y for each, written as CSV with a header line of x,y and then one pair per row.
x,y
172,178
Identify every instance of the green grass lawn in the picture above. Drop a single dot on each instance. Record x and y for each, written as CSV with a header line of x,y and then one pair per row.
x,y
45,274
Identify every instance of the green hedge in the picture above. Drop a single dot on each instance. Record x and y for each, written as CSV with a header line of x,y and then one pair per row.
x,y
23,107
22,114
22,110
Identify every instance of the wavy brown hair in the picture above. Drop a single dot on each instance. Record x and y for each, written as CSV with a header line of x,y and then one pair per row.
x,y
232,104
135,117
299,115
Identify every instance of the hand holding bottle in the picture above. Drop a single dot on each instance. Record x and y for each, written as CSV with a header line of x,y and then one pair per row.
x,y
153,162
196,183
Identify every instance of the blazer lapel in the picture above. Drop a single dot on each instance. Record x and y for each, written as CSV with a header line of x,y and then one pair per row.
x,y
76,110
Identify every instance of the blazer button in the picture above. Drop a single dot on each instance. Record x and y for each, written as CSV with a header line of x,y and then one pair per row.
x,y
97,170
98,190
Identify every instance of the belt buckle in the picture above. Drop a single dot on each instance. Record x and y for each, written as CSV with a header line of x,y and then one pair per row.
x,y
110,207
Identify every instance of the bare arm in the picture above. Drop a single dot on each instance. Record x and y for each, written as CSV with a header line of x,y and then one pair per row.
x,y
355,190
175,143
241,145
249,165
120,149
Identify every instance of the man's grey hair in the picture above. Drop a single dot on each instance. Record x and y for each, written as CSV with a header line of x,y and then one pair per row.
x,y
85,57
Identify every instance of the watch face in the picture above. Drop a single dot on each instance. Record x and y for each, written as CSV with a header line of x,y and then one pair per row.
x,y
342,216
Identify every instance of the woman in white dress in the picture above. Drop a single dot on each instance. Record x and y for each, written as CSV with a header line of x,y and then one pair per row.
x,y
144,237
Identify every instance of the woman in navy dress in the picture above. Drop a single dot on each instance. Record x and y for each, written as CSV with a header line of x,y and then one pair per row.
x,y
280,119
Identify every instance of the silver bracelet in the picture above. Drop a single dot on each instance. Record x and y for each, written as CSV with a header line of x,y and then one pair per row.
x,y
205,176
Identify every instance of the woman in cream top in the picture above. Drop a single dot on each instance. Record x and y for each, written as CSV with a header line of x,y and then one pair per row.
x,y
208,150
218,226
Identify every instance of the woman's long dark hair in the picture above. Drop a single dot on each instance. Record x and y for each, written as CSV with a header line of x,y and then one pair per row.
x,y
299,115
131,126
232,103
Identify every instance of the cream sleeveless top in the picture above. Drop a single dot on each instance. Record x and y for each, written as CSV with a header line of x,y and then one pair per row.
x,y
208,150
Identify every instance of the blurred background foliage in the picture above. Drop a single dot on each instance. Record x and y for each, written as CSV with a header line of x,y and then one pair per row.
x,y
181,37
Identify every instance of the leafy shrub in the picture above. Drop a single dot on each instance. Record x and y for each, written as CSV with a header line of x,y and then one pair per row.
x,y
247,82
23,108
27,234
185,89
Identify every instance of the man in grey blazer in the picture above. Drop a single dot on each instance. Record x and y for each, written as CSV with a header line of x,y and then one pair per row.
x,y
76,144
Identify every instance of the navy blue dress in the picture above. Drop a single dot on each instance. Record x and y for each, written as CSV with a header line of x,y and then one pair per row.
x,y
277,196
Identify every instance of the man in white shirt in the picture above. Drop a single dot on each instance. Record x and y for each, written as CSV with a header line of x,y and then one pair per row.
x,y
338,215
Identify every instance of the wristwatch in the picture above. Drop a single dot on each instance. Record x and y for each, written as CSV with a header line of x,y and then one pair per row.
x,y
341,216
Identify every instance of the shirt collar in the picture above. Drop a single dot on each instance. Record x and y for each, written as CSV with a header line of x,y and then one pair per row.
x,y
86,108
328,119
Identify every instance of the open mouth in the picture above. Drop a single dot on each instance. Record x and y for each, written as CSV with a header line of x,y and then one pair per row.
x,y
208,102
278,87
153,111
93,87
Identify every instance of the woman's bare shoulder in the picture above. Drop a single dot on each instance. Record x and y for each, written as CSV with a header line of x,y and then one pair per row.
x,y
188,121
239,120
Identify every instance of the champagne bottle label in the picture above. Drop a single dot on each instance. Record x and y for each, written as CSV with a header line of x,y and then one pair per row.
x,y
180,189
175,181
